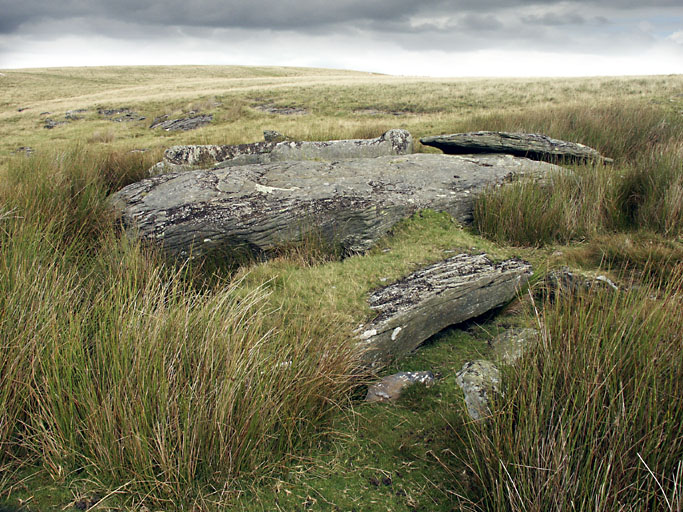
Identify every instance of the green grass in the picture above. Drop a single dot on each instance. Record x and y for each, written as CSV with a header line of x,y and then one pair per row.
x,y
165,385
643,190
591,419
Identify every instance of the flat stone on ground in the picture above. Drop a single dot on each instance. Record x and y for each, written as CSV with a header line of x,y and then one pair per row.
x,y
391,387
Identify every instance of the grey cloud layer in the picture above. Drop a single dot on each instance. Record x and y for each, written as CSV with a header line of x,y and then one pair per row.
x,y
588,27
286,14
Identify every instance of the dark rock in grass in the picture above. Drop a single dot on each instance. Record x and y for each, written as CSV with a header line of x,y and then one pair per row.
x,y
123,114
273,136
270,108
433,298
184,124
73,115
529,145
510,346
479,381
564,281
26,150
391,387
51,123
180,158
255,209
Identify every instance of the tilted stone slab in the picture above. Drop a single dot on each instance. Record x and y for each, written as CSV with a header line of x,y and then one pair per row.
x,y
180,158
529,145
433,298
347,202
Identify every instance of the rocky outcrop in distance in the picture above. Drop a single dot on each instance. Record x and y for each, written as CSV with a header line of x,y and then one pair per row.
x,y
182,124
529,145
255,209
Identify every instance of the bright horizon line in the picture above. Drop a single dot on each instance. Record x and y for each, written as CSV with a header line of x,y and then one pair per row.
x,y
379,73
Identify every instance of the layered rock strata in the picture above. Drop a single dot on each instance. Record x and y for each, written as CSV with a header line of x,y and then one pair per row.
x,y
277,149
433,298
349,203
529,145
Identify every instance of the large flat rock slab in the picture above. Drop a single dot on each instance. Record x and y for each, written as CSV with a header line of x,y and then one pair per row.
x,y
351,203
182,158
529,145
433,298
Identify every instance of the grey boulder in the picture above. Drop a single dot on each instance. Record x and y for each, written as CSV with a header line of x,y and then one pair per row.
x,y
433,298
276,148
479,381
529,145
255,209
509,346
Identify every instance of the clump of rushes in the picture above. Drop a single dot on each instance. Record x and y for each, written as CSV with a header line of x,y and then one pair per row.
x,y
586,201
111,360
652,190
591,419
564,206
643,190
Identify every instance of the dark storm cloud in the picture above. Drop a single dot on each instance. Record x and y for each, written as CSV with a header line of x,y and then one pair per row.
x,y
299,15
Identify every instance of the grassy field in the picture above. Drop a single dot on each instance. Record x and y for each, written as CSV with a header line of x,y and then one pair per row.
x,y
129,382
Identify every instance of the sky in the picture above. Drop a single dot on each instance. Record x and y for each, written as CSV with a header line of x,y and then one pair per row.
x,y
444,38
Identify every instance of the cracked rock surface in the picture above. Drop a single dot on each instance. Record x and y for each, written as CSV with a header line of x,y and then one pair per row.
x,y
530,145
350,203
276,149
435,297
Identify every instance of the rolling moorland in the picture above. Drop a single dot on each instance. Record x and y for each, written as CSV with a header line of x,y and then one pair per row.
x,y
131,381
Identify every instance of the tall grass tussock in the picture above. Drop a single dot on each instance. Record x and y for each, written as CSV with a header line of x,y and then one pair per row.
x,y
643,190
111,359
591,419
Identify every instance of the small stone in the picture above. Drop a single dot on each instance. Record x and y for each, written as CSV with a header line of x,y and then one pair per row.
x,y
479,380
281,110
28,151
273,136
566,281
51,123
391,387
511,345
73,115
